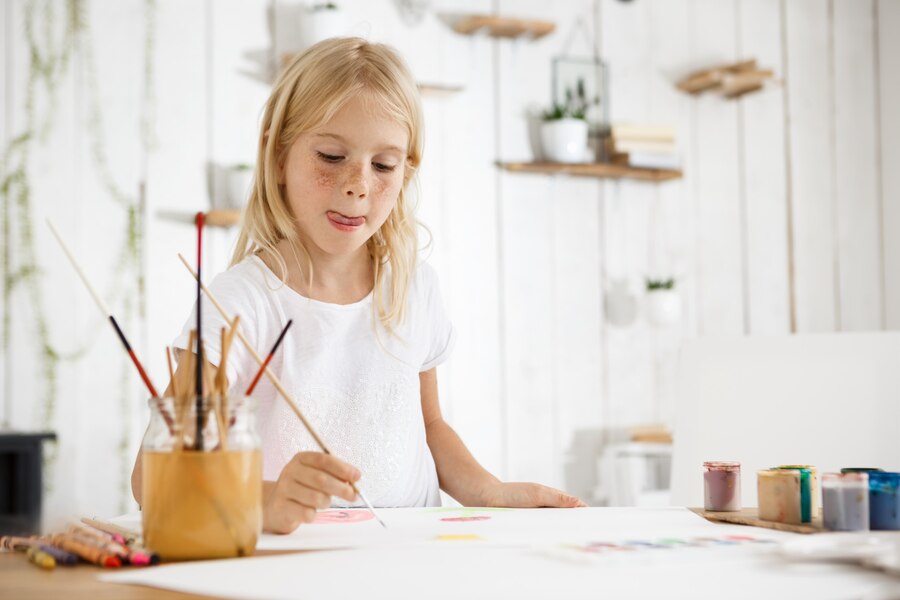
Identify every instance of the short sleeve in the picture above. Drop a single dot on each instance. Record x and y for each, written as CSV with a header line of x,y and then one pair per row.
x,y
236,296
442,336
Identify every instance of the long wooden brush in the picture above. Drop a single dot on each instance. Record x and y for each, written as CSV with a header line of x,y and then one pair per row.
x,y
108,313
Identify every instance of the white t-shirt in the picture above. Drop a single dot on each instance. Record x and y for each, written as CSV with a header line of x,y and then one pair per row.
x,y
355,383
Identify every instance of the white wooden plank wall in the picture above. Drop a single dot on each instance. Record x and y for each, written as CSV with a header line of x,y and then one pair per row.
x,y
763,177
856,169
888,61
786,219
811,101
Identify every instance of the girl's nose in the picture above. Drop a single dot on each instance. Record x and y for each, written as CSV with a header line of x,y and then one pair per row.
x,y
356,184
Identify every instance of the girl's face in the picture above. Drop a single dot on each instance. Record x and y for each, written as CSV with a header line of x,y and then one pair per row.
x,y
342,179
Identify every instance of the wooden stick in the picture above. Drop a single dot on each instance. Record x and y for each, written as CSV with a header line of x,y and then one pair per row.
x,y
277,384
172,375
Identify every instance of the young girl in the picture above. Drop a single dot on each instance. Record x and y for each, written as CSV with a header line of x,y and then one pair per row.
x,y
329,240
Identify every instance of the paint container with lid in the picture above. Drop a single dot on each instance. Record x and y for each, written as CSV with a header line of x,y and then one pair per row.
x,y
884,500
845,501
778,495
722,486
860,469
809,490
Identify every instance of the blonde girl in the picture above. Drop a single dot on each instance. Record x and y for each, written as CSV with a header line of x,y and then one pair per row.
x,y
329,240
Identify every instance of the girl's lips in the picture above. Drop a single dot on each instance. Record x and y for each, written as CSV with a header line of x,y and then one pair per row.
x,y
345,223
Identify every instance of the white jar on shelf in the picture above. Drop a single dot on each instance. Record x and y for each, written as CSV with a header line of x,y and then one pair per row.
x,y
565,140
663,306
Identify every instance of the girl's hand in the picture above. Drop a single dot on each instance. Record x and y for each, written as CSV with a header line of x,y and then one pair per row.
x,y
530,495
306,483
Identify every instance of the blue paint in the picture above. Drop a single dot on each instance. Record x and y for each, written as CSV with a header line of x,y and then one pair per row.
x,y
884,500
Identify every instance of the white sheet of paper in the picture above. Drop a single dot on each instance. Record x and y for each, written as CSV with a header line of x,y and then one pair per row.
x,y
491,525
520,554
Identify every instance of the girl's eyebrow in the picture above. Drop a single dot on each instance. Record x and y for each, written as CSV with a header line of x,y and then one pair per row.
x,y
342,139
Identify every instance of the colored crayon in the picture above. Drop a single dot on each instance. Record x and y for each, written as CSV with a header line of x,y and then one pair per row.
x,y
106,541
59,555
152,557
128,536
40,558
86,551
30,548
105,546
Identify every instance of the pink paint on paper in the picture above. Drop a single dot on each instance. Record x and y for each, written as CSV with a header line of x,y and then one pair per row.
x,y
342,516
463,519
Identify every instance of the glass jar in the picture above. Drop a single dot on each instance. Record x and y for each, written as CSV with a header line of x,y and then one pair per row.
x,y
884,500
778,497
202,495
845,501
809,490
722,486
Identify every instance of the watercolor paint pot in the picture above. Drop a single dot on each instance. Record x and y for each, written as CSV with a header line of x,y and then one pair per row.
x,y
722,486
860,469
884,500
809,490
202,502
845,501
778,495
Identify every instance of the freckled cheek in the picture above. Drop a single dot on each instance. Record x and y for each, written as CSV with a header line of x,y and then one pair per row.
x,y
384,193
325,179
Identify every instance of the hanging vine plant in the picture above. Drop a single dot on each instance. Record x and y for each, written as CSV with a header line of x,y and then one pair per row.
x,y
50,53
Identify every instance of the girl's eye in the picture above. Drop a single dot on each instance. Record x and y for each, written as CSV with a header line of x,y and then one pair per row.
x,y
329,157
384,168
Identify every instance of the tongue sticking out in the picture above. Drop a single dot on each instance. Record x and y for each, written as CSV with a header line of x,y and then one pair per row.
x,y
343,220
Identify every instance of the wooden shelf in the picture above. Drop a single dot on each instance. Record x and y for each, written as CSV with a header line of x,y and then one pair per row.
x,y
503,27
600,170
217,217
731,80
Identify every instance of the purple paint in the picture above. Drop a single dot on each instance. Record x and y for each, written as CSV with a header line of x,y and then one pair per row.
x,y
722,486
845,501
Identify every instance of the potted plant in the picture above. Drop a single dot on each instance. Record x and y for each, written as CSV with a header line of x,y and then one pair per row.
x,y
564,132
663,302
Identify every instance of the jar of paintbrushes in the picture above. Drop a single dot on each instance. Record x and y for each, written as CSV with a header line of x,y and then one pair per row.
x,y
202,467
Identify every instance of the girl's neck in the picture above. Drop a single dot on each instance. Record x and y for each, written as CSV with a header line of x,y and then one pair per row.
x,y
336,279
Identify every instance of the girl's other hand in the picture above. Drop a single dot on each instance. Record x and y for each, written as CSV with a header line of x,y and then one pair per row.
x,y
306,484
530,495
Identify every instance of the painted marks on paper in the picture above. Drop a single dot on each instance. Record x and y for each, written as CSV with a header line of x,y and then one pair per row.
x,y
665,544
328,517
463,514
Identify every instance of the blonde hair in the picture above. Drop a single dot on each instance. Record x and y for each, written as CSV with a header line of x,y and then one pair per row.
x,y
309,91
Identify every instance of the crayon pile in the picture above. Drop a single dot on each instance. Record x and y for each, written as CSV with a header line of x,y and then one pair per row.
x,y
101,544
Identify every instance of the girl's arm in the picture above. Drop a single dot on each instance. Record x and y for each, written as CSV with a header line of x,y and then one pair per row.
x,y
463,478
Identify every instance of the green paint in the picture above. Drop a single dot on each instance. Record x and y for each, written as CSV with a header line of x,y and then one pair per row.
x,y
805,490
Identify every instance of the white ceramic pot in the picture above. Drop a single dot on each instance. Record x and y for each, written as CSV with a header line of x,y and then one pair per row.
x,y
237,186
621,304
663,307
565,140
322,23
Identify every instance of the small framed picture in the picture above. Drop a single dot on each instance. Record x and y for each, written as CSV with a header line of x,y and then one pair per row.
x,y
579,85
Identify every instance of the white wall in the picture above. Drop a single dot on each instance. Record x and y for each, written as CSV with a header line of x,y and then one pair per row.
x,y
782,222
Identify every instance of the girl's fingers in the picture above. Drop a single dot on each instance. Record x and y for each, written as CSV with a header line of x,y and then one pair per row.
x,y
290,515
321,481
330,464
